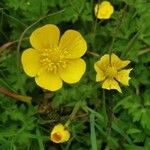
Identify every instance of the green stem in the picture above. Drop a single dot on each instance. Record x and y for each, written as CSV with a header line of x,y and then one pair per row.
x,y
98,115
116,29
74,112
95,31
104,108
130,44
110,115
95,26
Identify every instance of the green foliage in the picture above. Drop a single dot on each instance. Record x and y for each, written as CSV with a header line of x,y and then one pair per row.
x,y
138,108
105,120
17,124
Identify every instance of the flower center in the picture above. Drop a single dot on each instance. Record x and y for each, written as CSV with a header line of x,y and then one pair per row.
x,y
57,137
111,72
53,59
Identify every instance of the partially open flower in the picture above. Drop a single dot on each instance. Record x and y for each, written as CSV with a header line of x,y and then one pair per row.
x,y
60,134
52,59
104,10
110,71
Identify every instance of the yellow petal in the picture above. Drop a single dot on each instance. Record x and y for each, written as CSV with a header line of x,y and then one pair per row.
x,y
74,71
73,42
30,59
45,37
117,62
111,84
123,76
104,10
103,63
100,76
59,134
48,80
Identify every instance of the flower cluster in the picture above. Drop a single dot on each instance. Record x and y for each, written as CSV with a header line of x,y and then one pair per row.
x,y
53,59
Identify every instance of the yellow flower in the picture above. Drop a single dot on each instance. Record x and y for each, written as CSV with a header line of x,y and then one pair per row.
x,y
52,59
59,134
110,70
104,10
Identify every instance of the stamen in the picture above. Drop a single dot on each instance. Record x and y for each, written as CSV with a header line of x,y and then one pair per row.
x,y
111,72
54,59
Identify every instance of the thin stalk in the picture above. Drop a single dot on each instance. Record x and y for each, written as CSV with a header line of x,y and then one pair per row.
x,y
116,29
130,44
74,112
95,26
141,52
16,96
93,54
104,108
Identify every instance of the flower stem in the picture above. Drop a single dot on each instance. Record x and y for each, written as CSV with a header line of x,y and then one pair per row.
x,y
116,29
94,32
95,22
110,115
130,44
22,98
74,112
104,108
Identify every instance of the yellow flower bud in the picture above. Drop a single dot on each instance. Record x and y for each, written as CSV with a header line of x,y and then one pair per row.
x,y
104,10
60,134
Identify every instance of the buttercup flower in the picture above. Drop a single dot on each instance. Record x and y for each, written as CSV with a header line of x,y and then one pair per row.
x,y
104,10
110,71
52,59
60,134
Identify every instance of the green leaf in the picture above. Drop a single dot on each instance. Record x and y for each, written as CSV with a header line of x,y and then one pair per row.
x,y
134,147
41,144
93,133
133,130
145,120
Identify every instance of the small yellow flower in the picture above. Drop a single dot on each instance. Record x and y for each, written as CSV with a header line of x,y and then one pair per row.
x,y
104,10
59,134
110,70
52,59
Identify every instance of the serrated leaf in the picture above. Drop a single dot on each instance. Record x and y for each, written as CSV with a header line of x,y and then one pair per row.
x,y
145,119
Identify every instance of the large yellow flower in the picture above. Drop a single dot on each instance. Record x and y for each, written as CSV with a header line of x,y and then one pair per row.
x,y
110,70
104,10
59,134
52,59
